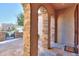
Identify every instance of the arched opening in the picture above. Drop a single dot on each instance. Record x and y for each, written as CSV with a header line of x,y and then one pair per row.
x,y
42,29
53,28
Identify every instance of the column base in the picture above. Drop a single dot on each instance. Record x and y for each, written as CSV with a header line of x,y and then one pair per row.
x,y
49,48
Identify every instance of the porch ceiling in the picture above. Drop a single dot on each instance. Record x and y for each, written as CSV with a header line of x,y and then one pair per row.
x,y
58,6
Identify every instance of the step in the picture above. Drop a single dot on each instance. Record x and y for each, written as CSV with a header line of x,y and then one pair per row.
x,y
57,45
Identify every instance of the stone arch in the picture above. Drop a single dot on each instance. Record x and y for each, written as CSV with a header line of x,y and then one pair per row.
x,y
41,5
49,13
31,40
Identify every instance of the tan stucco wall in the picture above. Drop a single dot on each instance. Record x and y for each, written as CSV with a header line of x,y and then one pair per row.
x,y
60,18
66,26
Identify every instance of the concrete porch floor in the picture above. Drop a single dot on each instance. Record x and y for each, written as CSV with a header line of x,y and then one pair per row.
x,y
53,51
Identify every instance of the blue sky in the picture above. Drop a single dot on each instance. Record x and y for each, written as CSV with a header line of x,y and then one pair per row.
x,y
9,12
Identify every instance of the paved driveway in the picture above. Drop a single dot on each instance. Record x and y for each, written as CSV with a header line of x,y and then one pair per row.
x,y
12,47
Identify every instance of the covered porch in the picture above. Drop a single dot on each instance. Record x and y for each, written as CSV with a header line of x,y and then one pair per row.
x,y
59,29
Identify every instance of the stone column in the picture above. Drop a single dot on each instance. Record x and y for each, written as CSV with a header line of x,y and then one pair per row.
x,y
49,27
45,30
56,25
34,30
76,29
26,33
30,30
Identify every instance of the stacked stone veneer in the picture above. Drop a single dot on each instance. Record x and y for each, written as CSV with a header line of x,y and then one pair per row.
x,y
45,31
26,36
